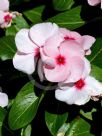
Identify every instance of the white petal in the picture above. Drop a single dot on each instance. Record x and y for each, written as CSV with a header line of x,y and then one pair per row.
x,y
23,42
24,63
72,96
40,70
87,68
3,99
2,14
39,33
94,85
4,5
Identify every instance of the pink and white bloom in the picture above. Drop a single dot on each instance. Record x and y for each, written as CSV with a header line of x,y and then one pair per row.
x,y
29,42
94,2
3,99
79,92
4,5
63,56
86,41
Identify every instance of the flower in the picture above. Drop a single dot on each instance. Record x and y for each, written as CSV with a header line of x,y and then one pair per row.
x,y
3,99
29,42
63,55
94,2
79,92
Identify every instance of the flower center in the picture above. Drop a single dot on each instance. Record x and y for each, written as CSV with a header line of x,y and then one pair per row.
x,y
68,38
80,84
60,60
37,53
7,18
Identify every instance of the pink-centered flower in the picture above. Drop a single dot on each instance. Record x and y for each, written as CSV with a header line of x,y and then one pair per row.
x,y
79,92
94,2
29,42
63,56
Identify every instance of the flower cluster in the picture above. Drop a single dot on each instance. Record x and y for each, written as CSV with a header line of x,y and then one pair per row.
x,y
94,2
60,55
6,16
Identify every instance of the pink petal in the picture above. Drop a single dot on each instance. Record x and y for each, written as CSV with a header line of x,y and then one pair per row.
x,y
76,69
24,63
52,44
93,2
39,33
70,49
3,99
87,41
58,74
2,14
23,42
4,5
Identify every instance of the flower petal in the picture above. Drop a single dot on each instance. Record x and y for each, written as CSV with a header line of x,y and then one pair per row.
x,y
93,2
57,74
87,41
4,5
3,99
39,33
2,14
23,42
76,69
24,63
94,85
72,96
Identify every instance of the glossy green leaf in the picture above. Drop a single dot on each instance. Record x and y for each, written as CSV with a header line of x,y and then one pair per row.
x,y
34,15
54,122
96,55
96,72
26,131
7,47
70,19
79,127
24,107
62,5
2,117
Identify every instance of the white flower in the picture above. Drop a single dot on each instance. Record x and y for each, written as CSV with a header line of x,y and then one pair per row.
x,y
80,92
29,42
3,99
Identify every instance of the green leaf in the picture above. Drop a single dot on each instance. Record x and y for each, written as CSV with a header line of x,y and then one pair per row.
x,y
26,131
96,55
62,5
34,15
24,107
79,127
96,72
63,129
70,19
7,47
54,122
2,117
87,115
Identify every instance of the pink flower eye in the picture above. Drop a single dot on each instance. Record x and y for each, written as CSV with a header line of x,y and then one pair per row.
x,y
60,60
80,84
7,18
68,38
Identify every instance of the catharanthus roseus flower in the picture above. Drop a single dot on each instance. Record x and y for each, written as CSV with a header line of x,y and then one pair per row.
x,y
3,99
28,42
79,92
94,2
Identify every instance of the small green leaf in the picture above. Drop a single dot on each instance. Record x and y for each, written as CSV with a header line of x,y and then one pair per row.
x,y
79,127
96,72
34,15
62,5
87,115
96,55
70,19
24,107
54,122
7,47
26,131
2,117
